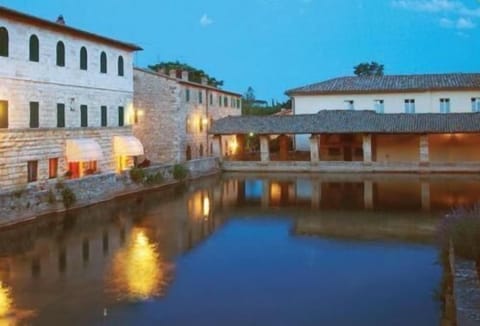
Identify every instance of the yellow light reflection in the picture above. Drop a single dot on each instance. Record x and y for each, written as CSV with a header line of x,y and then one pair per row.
x,y
5,301
139,273
275,192
206,206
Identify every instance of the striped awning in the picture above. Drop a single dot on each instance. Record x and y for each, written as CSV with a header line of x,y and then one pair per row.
x,y
83,149
127,146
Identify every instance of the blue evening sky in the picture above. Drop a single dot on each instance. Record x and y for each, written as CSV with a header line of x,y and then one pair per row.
x,y
274,45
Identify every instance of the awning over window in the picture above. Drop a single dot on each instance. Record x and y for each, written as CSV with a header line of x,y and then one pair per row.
x,y
83,149
127,146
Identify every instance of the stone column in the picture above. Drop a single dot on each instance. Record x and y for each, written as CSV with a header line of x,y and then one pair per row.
x,y
424,152
314,148
283,143
264,149
425,193
367,148
217,146
368,194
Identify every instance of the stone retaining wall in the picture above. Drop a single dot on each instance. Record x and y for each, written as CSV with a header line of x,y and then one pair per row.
x,y
29,203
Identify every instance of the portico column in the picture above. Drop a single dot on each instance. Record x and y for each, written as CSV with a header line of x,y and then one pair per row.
x,y
367,148
368,194
264,149
217,146
314,148
424,152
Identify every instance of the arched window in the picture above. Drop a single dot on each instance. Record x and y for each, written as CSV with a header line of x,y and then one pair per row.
x,y
83,58
3,42
120,66
103,63
34,48
60,54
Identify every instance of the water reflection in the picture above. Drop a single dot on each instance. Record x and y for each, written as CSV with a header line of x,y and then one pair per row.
x,y
126,250
138,270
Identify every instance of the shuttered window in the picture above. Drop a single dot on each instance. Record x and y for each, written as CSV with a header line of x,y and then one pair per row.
x,y
103,63
121,116
103,116
60,54
83,58
60,115
83,116
34,49
3,42
34,119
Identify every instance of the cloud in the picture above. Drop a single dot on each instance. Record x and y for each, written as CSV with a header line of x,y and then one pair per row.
x,y
205,21
456,14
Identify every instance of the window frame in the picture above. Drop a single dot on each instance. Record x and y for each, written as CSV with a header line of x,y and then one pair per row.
x,y
60,57
34,48
34,114
83,58
103,63
4,42
103,116
60,115
120,66
121,116
409,105
83,116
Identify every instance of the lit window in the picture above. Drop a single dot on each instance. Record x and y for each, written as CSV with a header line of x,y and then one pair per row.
x,y
52,168
3,114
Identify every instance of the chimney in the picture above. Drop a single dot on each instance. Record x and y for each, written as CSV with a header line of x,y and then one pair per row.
x,y
60,20
204,80
184,75
173,73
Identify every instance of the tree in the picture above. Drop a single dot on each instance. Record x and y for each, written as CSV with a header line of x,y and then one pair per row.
x,y
369,69
194,74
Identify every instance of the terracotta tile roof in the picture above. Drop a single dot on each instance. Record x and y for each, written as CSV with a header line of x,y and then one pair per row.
x,y
393,83
32,20
345,121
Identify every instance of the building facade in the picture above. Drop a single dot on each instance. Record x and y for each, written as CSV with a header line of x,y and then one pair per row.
x,y
66,102
436,93
173,115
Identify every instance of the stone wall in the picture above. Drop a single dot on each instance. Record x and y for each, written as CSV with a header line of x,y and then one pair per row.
x,y
22,145
23,204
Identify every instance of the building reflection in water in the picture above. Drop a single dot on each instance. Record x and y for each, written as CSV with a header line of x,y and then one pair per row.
x,y
139,272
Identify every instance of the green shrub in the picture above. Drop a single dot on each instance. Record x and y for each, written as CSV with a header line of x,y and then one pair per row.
x,y
137,175
180,172
68,197
154,179
51,197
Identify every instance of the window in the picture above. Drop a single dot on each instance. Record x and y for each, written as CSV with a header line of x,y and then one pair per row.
x,y
410,106
3,42
34,115
60,54
220,100
60,115
34,49
103,116
225,101
378,106
211,99
120,66
103,63
83,116
475,104
52,168
3,114
200,97
121,116
32,169
444,105
187,95
349,105
83,58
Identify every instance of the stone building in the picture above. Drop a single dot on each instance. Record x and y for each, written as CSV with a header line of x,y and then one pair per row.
x,y
173,115
66,102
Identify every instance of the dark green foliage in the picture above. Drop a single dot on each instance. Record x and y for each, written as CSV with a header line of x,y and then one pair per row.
x,y
194,74
68,197
154,179
180,172
250,107
137,175
368,69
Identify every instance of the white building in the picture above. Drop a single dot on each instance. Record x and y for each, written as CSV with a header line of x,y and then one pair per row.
x,y
66,101
436,93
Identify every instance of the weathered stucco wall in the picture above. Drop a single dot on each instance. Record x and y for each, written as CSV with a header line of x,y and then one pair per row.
x,y
396,148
